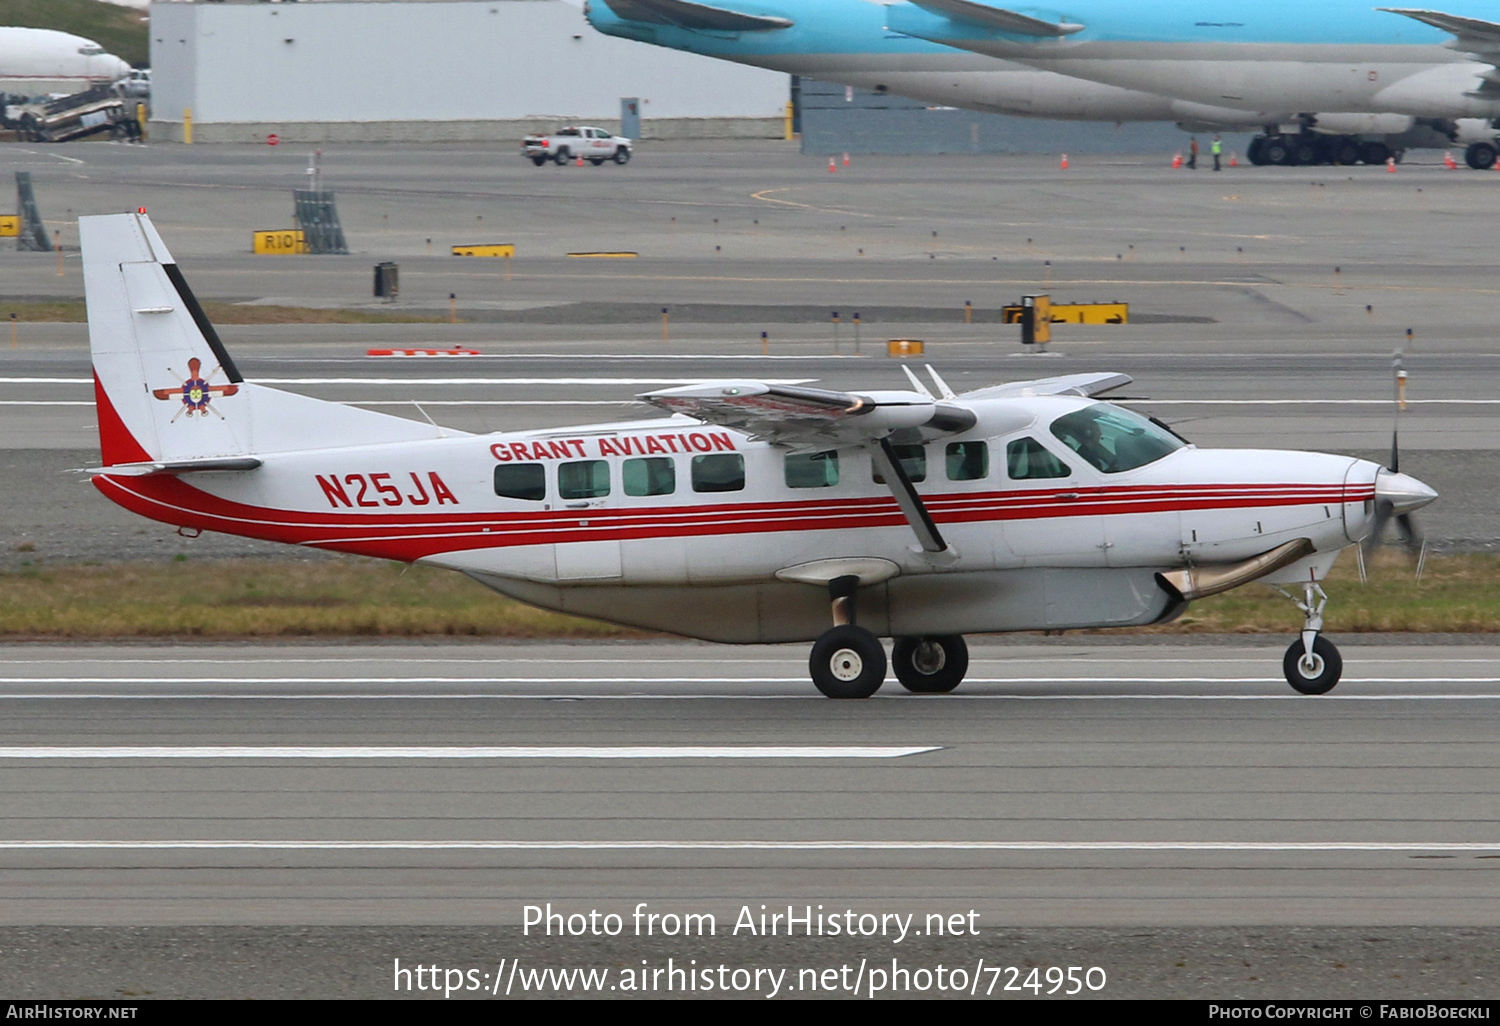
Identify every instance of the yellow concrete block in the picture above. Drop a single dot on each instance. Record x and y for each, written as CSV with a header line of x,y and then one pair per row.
x,y
278,242
10,226
904,347
487,249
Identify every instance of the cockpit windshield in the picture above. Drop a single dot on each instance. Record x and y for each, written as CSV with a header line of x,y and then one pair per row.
x,y
1113,439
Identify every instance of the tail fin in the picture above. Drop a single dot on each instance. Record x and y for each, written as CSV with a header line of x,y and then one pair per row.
x,y
167,389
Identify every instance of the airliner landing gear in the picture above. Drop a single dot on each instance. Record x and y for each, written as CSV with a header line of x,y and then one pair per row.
x,y
1308,148
1312,664
847,661
929,666
1480,156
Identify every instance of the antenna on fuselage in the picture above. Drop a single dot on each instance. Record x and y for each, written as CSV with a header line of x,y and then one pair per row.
x,y
916,382
942,385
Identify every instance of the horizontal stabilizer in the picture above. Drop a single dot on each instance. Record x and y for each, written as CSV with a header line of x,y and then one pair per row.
x,y
684,14
998,18
1473,34
1067,384
154,467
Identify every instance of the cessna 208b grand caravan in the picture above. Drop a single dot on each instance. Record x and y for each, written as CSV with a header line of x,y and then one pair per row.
x,y
754,513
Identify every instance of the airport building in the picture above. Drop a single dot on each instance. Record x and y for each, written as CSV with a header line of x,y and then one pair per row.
x,y
433,71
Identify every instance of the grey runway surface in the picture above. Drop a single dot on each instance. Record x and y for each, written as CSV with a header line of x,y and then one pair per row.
x,y
1065,784
1171,813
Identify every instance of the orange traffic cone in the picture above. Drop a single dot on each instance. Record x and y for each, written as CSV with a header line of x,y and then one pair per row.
x,y
1233,161
1176,161
832,166
1064,164
846,160
1390,165
580,161
1448,161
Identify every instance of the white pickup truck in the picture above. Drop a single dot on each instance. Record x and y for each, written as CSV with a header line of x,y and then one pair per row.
x,y
594,145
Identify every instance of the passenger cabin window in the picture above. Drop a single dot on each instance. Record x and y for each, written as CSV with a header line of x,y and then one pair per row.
x,y
913,459
720,472
521,481
1113,439
585,479
1026,460
812,470
655,475
968,461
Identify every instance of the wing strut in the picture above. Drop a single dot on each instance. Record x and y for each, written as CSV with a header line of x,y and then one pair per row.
x,y
906,497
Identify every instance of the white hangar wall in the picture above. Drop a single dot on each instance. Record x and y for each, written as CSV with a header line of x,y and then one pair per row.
x,y
432,70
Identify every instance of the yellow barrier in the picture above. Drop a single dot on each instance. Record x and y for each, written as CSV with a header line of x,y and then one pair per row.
x,y
10,226
1077,313
622,255
493,249
904,347
278,242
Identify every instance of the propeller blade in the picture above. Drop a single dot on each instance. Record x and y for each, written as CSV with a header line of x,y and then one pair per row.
x,y
1406,527
1377,529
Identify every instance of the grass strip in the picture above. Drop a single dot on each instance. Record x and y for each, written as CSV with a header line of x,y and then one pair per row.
x,y
352,597
36,311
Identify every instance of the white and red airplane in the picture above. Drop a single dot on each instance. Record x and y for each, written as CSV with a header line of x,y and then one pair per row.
x,y
755,513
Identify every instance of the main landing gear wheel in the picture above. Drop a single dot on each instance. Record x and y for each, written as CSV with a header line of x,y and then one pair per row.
x,y
930,666
1480,156
847,662
1314,674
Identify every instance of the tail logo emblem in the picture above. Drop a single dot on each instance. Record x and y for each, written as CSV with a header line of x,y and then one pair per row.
x,y
195,391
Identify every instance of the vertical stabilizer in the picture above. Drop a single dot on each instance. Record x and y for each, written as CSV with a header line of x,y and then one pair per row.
x,y
167,388
161,369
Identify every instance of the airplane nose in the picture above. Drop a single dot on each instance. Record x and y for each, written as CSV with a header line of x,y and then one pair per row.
x,y
1404,492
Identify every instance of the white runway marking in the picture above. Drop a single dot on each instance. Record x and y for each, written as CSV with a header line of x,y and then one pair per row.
x,y
464,752
750,845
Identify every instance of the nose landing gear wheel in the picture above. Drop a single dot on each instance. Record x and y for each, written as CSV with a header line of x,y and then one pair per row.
x,y
930,666
847,662
1316,675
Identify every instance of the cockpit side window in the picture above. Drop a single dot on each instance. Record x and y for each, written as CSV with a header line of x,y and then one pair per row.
x,y
1026,460
1113,439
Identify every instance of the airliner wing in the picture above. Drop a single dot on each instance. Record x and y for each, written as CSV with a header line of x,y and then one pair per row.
x,y
810,419
685,14
1067,384
1475,36
998,18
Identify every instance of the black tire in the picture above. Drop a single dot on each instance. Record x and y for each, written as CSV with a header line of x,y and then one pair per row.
x,y
1318,679
562,156
1480,156
847,662
596,161
1304,152
930,666
1373,152
1276,151
539,160
622,156
1346,152
1255,153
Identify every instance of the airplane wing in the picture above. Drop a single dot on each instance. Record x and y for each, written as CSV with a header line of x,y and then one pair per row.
x,y
998,18
685,14
1474,35
1067,384
810,419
